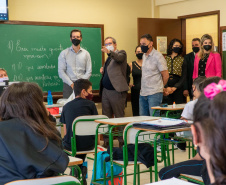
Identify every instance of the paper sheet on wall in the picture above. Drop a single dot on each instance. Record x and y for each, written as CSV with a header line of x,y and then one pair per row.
x,y
224,41
173,181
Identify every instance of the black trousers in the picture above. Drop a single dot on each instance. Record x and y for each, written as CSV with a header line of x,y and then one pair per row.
x,y
190,167
135,95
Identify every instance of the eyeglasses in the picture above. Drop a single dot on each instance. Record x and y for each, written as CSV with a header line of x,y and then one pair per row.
x,y
108,44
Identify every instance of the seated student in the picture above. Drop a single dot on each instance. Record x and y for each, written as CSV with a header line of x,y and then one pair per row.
x,y
209,134
3,75
80,106
194,165
188,109
30,145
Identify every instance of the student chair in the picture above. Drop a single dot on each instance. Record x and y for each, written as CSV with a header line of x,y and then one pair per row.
x,y
60,180
129,135
85,125
192,178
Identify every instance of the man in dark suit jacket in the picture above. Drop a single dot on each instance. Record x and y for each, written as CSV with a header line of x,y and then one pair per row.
x,y
113,85
189,60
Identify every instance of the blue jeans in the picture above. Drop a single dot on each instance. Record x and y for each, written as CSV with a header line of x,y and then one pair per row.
x,y
146,102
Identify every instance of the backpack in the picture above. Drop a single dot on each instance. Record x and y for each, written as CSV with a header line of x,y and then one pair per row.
x,y
99,169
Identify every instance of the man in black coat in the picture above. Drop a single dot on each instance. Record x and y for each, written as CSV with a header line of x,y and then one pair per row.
x,y
189,59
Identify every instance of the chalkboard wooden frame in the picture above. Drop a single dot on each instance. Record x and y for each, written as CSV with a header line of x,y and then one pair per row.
x,y
61,24
101,26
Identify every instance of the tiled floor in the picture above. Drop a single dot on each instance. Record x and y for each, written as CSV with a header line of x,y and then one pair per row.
x,y
145,179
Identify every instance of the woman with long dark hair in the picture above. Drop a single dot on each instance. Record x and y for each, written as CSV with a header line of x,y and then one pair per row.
x,y
135,68
30,145
209,135
173,91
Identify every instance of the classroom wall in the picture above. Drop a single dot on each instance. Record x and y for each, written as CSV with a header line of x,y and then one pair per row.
x,y
193,6
119,17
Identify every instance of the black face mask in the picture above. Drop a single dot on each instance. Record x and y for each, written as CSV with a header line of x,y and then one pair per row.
x,y
144,49
176,49
195,49
207,47
139,55
76,42
198,151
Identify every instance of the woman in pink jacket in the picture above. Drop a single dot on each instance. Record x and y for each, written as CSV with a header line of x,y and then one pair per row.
x,y
207,62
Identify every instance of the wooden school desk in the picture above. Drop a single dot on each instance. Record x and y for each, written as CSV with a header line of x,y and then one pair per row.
x,y
157,133
170,111
54,105
113,123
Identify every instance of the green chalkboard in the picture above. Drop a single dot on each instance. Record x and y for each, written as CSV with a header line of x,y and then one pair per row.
x,y
29,51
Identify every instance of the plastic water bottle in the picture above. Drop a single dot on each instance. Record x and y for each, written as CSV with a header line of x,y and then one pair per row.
x,y
49,98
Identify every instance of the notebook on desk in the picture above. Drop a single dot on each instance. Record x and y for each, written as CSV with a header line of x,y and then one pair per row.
x,y
162,124
172,181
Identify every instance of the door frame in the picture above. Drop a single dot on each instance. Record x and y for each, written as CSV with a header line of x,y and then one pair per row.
x,y
184,17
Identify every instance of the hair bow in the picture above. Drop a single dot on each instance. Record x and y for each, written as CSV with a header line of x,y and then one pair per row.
x,y
213,89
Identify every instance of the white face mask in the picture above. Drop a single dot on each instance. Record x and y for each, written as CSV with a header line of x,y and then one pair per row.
x,y
111,48
4,79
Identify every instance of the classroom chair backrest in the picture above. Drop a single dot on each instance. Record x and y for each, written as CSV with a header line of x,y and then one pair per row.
x,y
86,125
131,134
60,180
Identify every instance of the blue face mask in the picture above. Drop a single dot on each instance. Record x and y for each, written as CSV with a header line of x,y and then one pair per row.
x,y
144,49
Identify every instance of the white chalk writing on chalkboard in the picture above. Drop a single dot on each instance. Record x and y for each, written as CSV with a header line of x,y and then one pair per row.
x,y
56,49
10,46
17,66
19,48
46,66
29,68
38,49
28,57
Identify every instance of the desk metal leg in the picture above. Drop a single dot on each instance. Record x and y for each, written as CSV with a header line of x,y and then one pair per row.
x,y
135,156
167,147
111,153
173,160
95,154
163,149
155,156
150,169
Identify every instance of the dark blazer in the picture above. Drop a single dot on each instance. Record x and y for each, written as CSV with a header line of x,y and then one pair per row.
x,y
117,71
189,60
25,154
